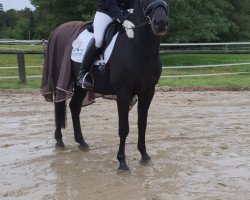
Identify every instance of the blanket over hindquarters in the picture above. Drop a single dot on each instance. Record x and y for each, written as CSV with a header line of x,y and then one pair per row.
x,y
57,82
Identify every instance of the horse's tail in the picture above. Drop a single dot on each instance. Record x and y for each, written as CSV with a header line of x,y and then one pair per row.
x,y
60,114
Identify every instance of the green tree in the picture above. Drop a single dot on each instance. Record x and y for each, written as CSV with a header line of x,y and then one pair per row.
x,y
1,15
22,29
50,14
10,18
198,20
240,17
24,25
17,24
6,32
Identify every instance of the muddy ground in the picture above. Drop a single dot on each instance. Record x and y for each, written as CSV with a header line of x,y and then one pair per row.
x,y
199,143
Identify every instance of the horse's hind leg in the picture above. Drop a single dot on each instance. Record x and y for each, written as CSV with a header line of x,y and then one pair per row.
x,y
144,101
123,110
60,119
75,107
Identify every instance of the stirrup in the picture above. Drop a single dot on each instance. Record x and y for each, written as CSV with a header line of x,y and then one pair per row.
x,y
88,81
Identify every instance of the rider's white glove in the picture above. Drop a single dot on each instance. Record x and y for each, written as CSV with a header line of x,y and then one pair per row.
x,y
128,25
131,11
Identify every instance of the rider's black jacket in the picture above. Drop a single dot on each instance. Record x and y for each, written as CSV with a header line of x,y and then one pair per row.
x,y
114,8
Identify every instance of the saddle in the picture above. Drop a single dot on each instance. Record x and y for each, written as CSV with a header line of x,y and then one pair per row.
x,y
99,70
109,39
113,28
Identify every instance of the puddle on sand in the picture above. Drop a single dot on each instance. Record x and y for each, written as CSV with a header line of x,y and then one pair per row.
x,y
188,161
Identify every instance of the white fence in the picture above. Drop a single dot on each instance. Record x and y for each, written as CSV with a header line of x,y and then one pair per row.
x,y
13,41
221,47
206,48
204,44
171,48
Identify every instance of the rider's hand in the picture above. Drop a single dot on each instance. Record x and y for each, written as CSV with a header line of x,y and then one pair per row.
x,y
128,25
130,11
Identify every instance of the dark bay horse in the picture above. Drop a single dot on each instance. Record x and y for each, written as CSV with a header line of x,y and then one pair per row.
x,y
135,69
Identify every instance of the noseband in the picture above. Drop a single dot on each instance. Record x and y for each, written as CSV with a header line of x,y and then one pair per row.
x,y
148,9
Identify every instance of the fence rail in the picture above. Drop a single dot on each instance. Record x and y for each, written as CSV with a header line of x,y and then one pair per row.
x,y
203,75
13,41
20,52
205,66
204,44
165,67
173,48
206,48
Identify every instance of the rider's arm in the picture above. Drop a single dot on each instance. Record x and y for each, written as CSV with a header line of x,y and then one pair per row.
x,y
115,11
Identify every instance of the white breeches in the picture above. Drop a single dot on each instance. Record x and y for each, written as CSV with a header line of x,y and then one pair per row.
x,y
101,21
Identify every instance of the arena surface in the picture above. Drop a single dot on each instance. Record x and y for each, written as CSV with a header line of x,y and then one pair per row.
x,y
199,143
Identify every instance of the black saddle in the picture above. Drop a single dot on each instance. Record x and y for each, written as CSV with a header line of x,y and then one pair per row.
x,y
109,33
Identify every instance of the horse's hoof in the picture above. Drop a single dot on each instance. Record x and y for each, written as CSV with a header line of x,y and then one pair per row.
x,y
122,170
145,160
123,167
83,146
59,145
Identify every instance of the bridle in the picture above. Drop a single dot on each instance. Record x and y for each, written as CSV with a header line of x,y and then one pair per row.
x,y
148,10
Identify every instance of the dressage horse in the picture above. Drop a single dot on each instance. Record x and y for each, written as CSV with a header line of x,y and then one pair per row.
x,y
135,69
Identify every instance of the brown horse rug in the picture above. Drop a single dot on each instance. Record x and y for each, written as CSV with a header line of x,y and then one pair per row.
x,y
57,79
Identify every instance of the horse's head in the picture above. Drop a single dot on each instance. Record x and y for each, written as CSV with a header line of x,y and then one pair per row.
x,y
156,13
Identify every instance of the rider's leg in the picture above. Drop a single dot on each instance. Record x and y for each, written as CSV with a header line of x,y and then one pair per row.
x,y
101,21
90,55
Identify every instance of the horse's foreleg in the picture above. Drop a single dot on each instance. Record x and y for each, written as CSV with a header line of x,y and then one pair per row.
x,y
75,107
123,110
60,118
144,101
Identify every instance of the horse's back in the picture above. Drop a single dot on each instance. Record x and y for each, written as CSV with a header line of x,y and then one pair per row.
x,y
65,33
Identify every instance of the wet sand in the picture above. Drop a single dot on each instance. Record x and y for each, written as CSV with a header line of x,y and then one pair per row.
x,y
199,143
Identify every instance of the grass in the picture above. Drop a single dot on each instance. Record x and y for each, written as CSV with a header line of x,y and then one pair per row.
x,y
30,60
226,82
204,59
232,82
15,84
22,47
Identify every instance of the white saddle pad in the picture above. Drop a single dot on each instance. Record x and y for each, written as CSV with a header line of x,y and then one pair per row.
x,y
80,44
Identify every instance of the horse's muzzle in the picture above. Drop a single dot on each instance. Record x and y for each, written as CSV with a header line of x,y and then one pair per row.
x,y
160,26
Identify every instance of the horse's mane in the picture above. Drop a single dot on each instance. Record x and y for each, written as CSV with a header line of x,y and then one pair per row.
x,y
137,10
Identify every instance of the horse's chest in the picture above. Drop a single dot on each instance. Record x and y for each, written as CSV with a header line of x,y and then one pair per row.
x,y
148,77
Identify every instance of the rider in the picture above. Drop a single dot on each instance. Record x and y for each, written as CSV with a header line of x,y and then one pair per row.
x,y
107,10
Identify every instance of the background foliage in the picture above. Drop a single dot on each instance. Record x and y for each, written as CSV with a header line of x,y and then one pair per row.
x,y
191,20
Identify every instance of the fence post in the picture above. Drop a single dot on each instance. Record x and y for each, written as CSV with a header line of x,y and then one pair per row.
x,y
21,68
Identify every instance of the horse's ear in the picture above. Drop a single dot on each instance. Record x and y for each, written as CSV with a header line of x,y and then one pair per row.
x,y
133,2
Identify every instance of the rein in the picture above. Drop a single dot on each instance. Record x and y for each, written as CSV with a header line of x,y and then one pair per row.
x,y
142,24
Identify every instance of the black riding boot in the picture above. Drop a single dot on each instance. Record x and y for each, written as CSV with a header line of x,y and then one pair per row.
x,y
85,79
